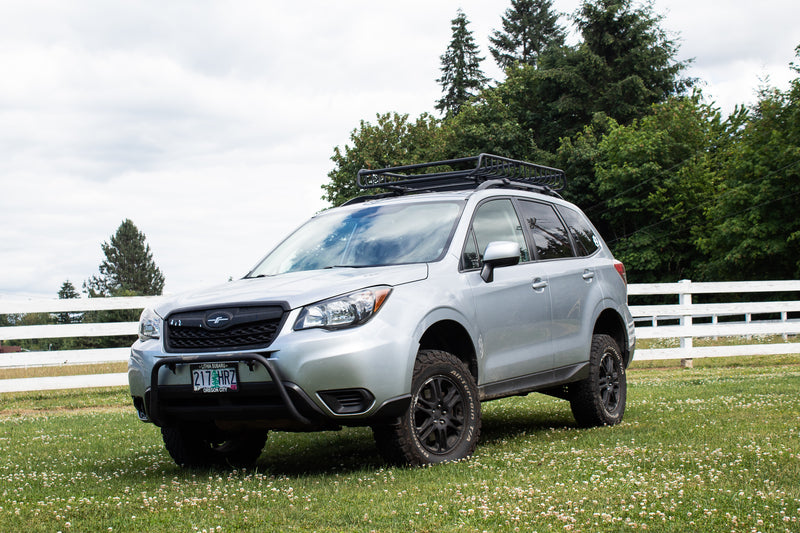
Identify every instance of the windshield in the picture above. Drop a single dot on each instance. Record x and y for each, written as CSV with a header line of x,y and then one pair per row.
x,y
371,236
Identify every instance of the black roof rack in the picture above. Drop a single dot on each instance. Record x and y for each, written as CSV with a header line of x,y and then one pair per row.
x,y
464,173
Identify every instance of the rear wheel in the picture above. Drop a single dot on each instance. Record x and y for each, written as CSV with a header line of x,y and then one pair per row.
x,y
192,448
443,420
599,400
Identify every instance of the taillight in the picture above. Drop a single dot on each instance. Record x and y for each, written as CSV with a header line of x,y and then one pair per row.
x,y
621,269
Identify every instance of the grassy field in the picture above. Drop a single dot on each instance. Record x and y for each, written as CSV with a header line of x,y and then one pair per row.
x,y
714,448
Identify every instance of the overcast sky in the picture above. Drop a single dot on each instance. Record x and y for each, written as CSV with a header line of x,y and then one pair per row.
x,y
211,124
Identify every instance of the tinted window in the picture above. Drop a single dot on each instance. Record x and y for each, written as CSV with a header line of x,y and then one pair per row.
x,y
549,234
496,220
586,241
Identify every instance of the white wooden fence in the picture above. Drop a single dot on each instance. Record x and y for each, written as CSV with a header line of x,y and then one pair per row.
x,y
687,321
67,357
682,320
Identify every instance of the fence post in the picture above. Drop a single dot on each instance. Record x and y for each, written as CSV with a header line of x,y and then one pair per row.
x,y
784,316
685,298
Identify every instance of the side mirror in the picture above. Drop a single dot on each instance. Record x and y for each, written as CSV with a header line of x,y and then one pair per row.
x,y
498,254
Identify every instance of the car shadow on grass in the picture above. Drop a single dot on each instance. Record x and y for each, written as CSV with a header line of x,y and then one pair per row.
x,y
500,427
353,449
329,452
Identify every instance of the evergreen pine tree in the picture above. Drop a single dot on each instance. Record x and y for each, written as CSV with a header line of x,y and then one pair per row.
x,y
530,27
128,269
635,55
68,292
462,77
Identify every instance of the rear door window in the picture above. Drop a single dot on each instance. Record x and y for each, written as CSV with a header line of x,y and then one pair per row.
x,y
550,237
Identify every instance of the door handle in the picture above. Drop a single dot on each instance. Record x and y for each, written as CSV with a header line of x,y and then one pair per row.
x,y
588,275
539,284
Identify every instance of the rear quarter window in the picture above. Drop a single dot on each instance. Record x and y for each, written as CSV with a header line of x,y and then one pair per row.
x,y
586,242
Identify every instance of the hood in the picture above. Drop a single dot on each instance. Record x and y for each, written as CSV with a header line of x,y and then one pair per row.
x,y
296,288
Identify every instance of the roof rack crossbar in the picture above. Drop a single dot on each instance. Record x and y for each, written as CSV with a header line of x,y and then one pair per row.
x,y
468,174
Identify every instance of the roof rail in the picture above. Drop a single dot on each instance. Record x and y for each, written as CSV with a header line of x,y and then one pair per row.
x,y
463,173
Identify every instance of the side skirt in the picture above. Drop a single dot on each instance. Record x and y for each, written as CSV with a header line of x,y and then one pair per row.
x,y
539,382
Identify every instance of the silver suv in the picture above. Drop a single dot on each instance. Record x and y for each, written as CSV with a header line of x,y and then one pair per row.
x,y
469,280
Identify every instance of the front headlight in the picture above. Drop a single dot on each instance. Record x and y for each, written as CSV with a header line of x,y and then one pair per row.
x,y
346,311
149,325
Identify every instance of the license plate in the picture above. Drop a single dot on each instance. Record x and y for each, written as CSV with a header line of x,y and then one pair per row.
x,y
215,377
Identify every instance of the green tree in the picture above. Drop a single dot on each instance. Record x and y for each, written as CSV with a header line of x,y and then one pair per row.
x,y
753,227
577,156
657,176
128,269
393,140
68,292
462,77
489,127
625,64
529,28
551,102
632,58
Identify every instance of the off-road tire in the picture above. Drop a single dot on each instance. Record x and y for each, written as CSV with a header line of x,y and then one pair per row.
x,y
443,420
197,449
599,399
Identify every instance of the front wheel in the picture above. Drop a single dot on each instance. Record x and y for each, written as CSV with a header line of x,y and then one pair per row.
x,y
443,420
599,400
192,448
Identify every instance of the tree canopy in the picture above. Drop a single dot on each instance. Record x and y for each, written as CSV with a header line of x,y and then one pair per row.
x,y
675,188
754,230
68,292
630,56
393,140
656,176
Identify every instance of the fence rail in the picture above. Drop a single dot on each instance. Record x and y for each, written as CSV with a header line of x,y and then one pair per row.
x,y
682,319
686,320
67,357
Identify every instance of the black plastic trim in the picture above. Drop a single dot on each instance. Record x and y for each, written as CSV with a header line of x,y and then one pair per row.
x,y
392,408
533,382
347,401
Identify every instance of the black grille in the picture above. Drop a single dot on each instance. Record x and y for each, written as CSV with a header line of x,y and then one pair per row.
x,y
220,329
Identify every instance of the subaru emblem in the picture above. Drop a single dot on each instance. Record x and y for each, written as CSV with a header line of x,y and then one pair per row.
x,y
218,319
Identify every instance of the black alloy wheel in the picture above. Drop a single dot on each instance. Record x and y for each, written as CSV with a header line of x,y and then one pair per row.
x,y
609,382
439,414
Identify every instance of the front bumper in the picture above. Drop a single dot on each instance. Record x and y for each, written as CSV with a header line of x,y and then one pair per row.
x,y
272,404
305,380
166,403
